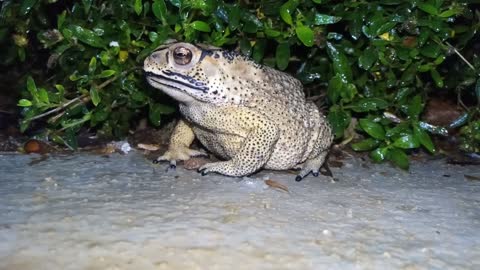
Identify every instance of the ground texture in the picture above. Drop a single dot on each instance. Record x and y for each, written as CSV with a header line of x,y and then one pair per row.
x,y
85,211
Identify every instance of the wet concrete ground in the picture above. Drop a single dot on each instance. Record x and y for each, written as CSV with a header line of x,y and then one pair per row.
x,y
86,211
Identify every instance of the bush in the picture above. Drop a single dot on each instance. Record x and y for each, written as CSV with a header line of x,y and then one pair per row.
x,y
378,61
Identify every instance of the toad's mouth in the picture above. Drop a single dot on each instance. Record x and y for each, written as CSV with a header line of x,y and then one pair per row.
x,y
176,80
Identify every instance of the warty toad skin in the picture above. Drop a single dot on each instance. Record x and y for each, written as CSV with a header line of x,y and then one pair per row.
x,y
249,115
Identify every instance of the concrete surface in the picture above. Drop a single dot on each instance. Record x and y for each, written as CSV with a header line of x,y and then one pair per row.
x,y
86,211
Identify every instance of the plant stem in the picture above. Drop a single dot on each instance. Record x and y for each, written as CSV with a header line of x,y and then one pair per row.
x,y
81,97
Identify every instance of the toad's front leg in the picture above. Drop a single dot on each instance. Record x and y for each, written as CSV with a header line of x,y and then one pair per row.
x,y
179,146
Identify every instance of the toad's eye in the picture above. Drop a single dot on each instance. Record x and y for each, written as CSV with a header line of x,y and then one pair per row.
x,y
182,55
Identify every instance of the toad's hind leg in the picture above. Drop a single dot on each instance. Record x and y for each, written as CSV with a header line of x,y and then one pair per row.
x,y
319,154
313,165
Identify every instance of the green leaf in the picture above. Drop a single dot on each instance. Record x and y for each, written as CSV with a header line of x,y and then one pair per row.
x,y
349,91
437,78
106,73
305,34
282,55
43,96
341,66
286,11
399,130
372,128
95,96
449,13
368,58
379,154
160,10
61,19
245,47
259,50
430,9
365,145
321,19
201,26
415,107
407,142
369,104
24,103
423,137
60,89
339,120
138,6
335,85
233,17
433,129
92,66
398,157
86,36
272,33
32,89
26,6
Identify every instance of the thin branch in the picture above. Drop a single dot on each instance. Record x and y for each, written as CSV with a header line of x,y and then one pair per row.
x,y
461,56
86,95
61,107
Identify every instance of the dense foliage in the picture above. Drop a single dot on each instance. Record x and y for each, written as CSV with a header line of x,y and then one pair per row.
x,y
377,61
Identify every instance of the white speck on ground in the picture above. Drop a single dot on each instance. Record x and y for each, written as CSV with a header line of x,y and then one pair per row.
x,y
85,211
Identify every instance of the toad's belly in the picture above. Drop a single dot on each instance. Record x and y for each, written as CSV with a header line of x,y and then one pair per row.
x,y
285,154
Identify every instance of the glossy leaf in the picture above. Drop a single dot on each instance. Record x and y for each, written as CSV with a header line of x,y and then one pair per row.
x,y
86,36
24,103
92,66
437,78
138,6
341,66
423,137
368,58
201,26
259,50
94,96
321,19
107,73
415,107
31,87
379,154
305,34
27,6
398,157
369,104
428,8
433,129
160,10
335,86
372,128
406,142
43,96
339,120
365,145
286,11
